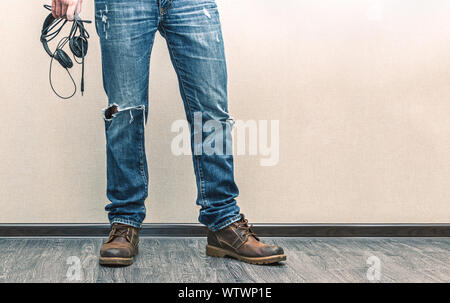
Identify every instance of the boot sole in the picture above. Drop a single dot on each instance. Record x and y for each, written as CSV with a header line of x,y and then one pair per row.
x,y
110,261
214,251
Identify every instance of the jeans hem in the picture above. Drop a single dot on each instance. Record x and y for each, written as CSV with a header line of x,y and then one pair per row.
x,y
225,224
126,222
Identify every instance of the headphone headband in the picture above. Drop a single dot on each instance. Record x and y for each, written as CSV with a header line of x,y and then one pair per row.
x,y
45,29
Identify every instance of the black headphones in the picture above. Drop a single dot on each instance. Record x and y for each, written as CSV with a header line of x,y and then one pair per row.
x,y
78,44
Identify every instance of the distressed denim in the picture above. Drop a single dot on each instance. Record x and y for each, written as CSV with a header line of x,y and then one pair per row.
x,y
192,30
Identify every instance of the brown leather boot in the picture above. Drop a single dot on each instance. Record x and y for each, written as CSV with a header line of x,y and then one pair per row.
x,y
121,246
239,241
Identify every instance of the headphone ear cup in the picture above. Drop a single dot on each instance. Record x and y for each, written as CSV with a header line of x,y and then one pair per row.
x,y
79,46
63,58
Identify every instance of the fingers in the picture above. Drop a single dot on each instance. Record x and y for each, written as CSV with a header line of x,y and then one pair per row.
x,y
54,9
58,8
70,12
79,6
66,8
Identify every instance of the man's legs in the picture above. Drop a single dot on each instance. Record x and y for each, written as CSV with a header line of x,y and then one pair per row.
x,y
192,30
194,38
126,29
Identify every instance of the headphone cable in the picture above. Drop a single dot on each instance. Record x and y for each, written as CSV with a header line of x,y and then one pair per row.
x,y
63,41
77,26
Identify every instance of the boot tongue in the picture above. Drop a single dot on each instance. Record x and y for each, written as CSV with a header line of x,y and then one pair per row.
x,y
120,233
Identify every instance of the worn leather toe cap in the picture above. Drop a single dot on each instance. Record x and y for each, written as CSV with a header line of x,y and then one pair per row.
x,y
273,250
115,252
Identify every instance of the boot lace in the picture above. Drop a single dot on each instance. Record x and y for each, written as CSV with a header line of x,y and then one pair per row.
x,y
119,231
243,224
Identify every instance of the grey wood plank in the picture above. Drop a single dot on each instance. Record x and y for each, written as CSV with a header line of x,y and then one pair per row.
x,y
184,260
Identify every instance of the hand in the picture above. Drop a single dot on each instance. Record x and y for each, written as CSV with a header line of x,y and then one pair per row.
x,y
66,8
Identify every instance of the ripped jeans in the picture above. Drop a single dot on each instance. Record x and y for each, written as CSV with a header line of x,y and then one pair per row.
x,y
193,34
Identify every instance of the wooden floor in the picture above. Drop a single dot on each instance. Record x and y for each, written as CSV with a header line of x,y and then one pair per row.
x,y
184,260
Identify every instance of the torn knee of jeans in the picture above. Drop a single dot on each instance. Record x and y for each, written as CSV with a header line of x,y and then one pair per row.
x,y
110,112
113,110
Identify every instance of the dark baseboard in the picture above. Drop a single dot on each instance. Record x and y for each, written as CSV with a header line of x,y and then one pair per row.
x,y
264,230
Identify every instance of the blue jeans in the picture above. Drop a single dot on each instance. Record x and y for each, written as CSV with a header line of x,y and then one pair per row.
x,y
193,34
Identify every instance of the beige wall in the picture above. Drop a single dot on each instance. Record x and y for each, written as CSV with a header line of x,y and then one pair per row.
x,y
361,89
